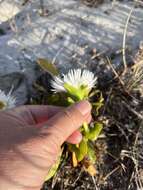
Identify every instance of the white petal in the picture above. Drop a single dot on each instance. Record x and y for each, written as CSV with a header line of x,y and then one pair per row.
x,y
75,78
8,100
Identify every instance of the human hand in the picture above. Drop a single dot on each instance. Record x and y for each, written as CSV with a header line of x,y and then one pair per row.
x,y
30,139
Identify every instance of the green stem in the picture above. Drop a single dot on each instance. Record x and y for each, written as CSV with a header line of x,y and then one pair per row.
x,y
85,126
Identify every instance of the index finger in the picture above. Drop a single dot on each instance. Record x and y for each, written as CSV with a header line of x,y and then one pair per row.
x,y
34,114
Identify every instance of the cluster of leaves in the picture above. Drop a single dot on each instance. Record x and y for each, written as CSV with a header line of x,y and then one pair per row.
x,y
84,151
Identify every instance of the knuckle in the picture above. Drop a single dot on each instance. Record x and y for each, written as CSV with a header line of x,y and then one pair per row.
x,y
69,116
54,135
73,117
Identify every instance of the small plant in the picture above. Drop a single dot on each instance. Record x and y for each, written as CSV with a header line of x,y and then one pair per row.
x,y
6,101
70,88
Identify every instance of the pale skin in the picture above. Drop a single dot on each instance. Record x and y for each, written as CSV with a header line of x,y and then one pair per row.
x,y
30,140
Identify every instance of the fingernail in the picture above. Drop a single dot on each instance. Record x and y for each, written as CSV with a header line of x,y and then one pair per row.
x,y
84,107
79,138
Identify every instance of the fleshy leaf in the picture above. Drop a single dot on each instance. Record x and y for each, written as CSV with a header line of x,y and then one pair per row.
x,y
82,150
73,91
53,99
91,154
74,160
99,103
85,127
54,168
94,132
70,100
73,148
48,66
85,90
75,151
77,93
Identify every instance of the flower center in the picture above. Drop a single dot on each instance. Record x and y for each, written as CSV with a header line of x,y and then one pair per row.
x,y
2,105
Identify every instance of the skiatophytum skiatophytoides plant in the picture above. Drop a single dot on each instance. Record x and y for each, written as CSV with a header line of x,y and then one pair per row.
x,y
75,86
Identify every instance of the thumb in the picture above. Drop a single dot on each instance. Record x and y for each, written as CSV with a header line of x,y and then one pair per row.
x,y
63,124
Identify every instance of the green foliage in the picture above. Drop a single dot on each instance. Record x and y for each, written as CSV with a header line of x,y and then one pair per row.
x,y
79,150
48,66
70,100
82,150
91,153
77,93
90,132
94,132
99,103
85,148
54,168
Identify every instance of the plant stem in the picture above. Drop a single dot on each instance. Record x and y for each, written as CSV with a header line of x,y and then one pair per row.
x,y
85,126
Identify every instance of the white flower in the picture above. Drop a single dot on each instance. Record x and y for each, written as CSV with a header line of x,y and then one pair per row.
x,y
75,78
6,101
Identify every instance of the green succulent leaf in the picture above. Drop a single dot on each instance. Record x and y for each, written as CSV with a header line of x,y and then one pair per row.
x,y
72,91
73,148
94,131
70,100
77,93
99,103
47,66
53,99
85,127
82,150
91,153
54,168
